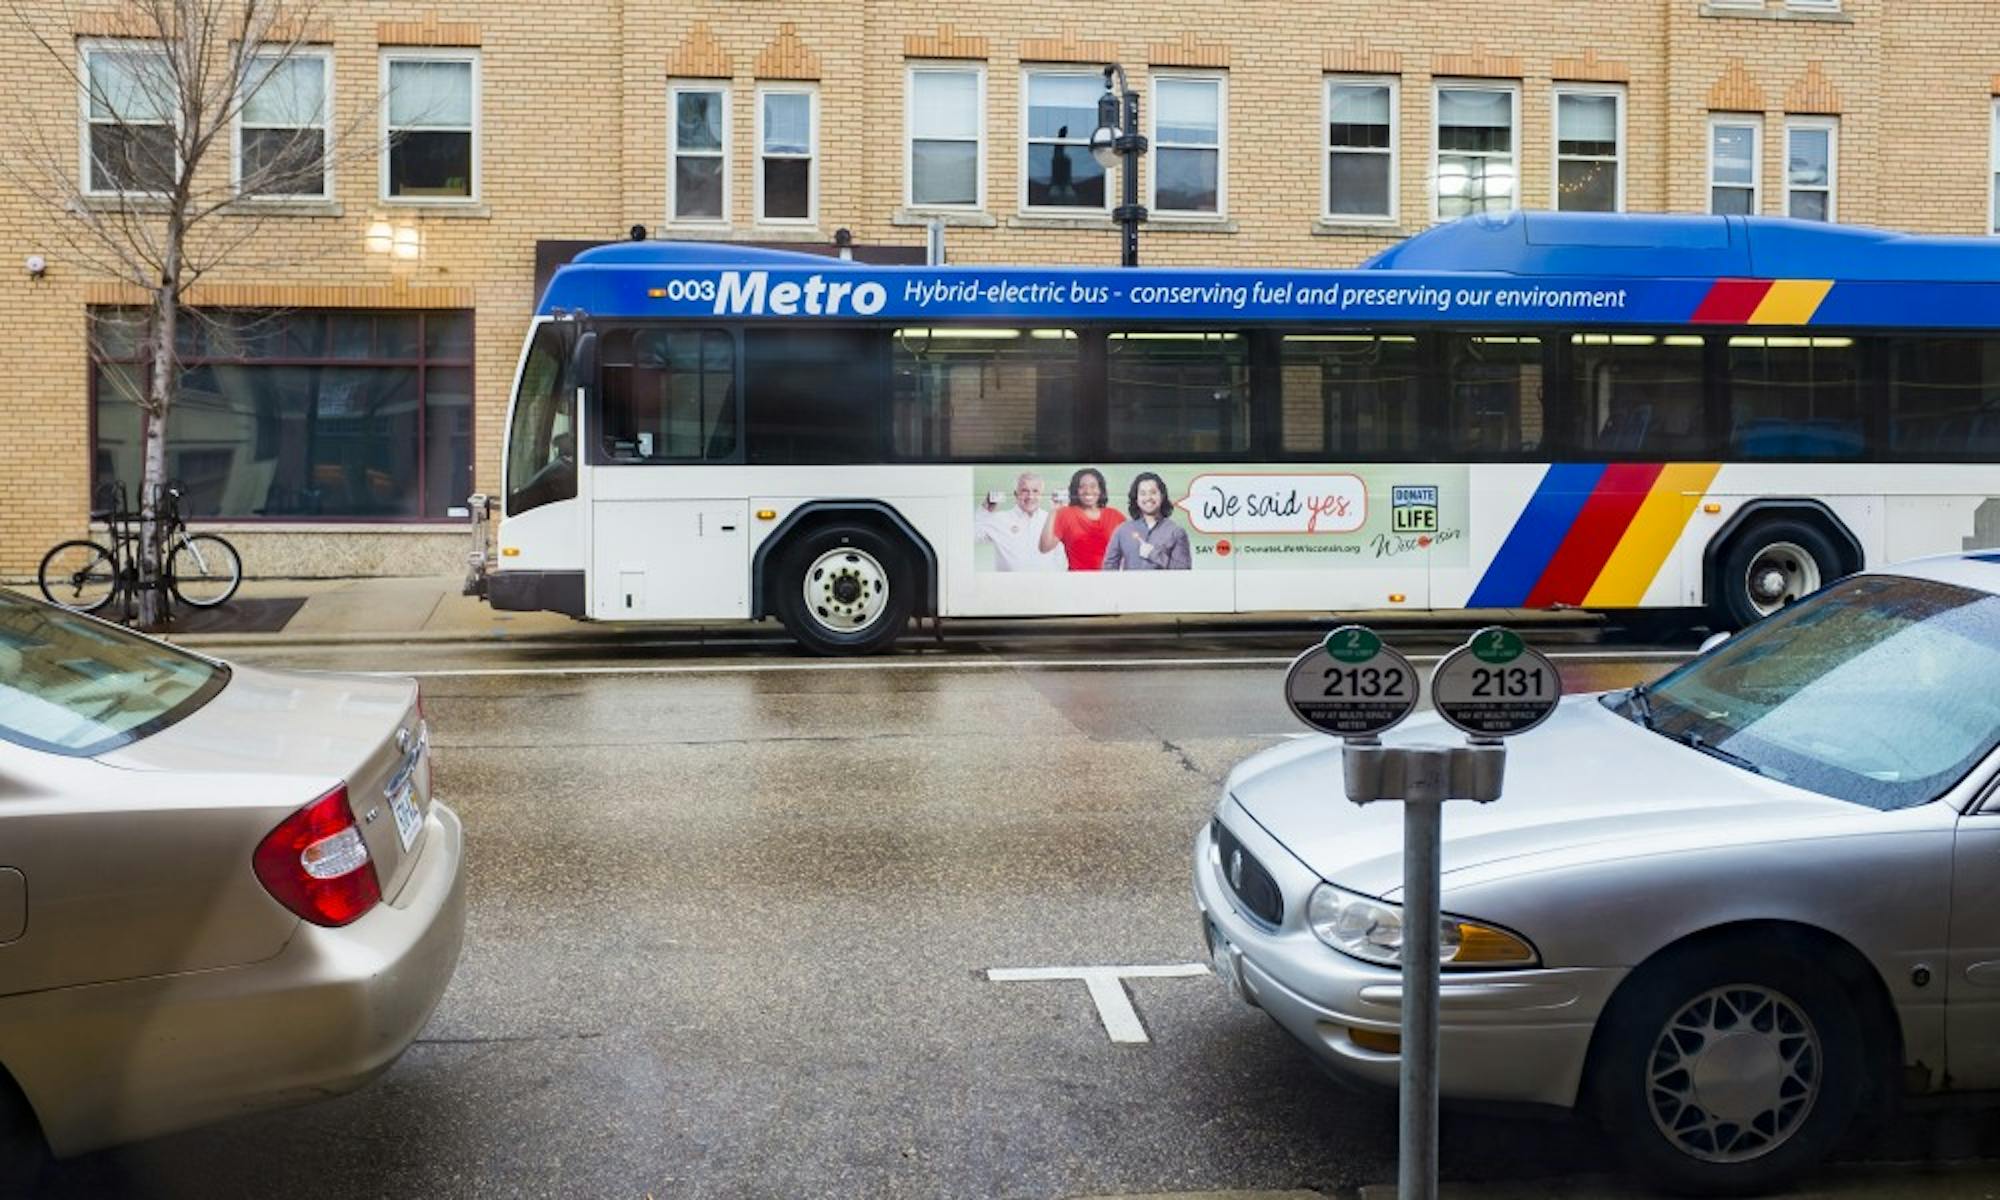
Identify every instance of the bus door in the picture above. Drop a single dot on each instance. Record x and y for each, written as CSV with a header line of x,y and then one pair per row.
x,y
542,534
665,545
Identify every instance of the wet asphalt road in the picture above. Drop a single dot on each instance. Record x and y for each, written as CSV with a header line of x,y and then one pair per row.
x,y
731,914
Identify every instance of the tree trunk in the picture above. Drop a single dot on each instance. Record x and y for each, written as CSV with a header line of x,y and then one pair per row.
x,y
153,474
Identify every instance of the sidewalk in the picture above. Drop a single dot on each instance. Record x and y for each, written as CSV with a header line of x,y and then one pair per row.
x,y
431,609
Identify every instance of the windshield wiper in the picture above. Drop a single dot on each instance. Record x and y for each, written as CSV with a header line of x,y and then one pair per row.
x,y
1641,703
1698,742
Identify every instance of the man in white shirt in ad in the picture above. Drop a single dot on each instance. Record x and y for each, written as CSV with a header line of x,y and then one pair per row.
x,y
1016,532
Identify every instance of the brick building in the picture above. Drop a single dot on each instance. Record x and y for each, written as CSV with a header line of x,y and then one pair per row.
x,y
388,307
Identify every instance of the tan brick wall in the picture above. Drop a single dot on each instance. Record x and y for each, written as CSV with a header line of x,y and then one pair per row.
x,y
574,141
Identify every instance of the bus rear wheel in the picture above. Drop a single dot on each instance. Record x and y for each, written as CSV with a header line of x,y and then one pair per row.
x,y
844,589
1772,564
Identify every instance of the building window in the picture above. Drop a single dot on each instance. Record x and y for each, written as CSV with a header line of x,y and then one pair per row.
x,y
1058,171
130,107
1590,149
698,144
1813,6
281,131
1476,127
946,122
1812,167
1360,149
787,134
432,131
1187,151
1995,168
1735,164
297,413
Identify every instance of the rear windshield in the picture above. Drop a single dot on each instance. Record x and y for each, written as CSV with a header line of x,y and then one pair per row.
x,y
72,685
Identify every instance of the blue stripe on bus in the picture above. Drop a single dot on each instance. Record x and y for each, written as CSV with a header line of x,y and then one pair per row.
x,y
1533,541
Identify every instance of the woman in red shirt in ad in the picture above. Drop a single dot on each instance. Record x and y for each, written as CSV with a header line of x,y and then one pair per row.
x,y
1082,527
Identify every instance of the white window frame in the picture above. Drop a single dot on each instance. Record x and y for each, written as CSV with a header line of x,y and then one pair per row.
x,y
1993,172
1438,87
1832,127
1394,152
325,196
811,93
946,67
1221,147
675,88
1111,177
85,48
1813,6
1617,93
1755,123
428,55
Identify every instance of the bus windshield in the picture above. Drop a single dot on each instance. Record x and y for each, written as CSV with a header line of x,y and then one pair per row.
x,y
541,442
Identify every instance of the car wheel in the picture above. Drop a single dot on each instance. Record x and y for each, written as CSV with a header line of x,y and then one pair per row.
x,y
845,589
23,1155
1727,1067
1772,564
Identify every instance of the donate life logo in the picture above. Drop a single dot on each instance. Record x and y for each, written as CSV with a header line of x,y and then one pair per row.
x,y
1223,503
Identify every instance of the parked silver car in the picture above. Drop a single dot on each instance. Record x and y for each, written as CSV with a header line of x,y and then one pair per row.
x,y
1723,914
221,888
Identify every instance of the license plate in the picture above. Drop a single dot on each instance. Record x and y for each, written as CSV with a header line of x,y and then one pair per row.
x,y
403,803
1222,960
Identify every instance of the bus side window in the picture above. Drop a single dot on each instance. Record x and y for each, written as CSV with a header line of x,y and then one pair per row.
x,y
1494,394
963,392
1638,395
1794,396
669,395
1351,395
1177,394
1944,398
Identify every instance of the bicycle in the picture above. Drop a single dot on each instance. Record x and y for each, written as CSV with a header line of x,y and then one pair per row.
x,y
202,569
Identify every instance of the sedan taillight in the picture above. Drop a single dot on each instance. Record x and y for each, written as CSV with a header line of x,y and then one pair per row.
x,y
316,864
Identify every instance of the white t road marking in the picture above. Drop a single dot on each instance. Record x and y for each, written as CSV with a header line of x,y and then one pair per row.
x,y
1107,990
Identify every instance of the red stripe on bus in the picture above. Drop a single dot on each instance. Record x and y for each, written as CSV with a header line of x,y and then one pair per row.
x,y
1594,535
1731,301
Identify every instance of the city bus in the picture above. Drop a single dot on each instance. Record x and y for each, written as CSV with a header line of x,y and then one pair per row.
x,y
1633,414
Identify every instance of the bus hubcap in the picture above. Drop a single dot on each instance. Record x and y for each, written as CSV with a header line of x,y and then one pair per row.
x,y
846,589
1781,573
1733,1074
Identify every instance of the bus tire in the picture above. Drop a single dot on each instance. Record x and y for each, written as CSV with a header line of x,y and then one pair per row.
x,y
844,588
1769,565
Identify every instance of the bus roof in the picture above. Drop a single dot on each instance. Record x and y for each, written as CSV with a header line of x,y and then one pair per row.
x,y
1524,266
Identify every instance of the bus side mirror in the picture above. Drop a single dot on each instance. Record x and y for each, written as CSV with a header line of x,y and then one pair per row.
x,y
583,360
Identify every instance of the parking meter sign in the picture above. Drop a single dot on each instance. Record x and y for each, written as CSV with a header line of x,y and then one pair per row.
x,y
1351,685
1495,685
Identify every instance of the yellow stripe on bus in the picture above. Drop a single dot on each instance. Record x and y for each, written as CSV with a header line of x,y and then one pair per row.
x,y
1791,302
1651,535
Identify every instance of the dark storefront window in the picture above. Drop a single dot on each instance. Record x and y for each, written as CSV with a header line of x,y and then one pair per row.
x,y
298,414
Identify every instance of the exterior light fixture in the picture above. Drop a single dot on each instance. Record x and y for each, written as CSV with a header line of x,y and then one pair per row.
x,y
1117,138
380,237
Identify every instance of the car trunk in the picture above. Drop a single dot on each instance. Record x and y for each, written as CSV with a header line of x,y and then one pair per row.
x,y
325,729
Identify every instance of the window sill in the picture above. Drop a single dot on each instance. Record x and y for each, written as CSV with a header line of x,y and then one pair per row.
x,y
1360,229
471,210
413,527
954,218
113,202
1059,221
1830,16
1166,223
285,208
788,233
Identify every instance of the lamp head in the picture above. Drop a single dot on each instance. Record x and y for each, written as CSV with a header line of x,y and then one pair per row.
x,y
1104,146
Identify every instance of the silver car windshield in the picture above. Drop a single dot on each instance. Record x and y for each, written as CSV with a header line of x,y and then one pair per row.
x,y
72,685
1878,690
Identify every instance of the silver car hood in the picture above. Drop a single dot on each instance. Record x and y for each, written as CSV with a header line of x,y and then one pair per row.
x,y
1586,778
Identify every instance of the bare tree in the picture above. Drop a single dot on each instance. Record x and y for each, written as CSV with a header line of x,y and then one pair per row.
x,y
158,196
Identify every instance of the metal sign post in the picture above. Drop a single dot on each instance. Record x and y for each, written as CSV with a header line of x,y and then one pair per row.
x,y
1357,688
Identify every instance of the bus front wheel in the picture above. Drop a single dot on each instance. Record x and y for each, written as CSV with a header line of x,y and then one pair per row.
x,y
844,589
1772,564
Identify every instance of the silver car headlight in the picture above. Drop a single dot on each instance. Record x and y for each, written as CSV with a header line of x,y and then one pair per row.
x,y
1372,930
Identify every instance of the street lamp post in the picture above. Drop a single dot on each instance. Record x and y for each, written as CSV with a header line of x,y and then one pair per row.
x,y
1117,138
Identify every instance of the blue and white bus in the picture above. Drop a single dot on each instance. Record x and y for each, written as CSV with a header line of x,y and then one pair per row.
x,y
1614,412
